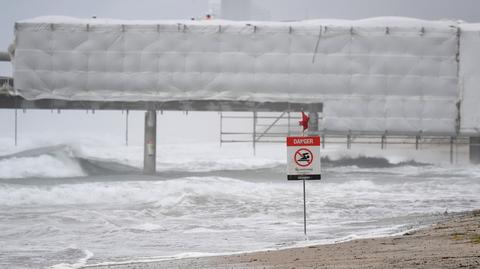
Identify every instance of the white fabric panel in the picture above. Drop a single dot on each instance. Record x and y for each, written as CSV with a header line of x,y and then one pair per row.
x,y
376,75
470,79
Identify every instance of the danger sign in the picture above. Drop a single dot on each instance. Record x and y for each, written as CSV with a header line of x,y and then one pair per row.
x,y
303,157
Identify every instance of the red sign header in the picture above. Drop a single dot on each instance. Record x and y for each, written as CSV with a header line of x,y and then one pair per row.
x,y
303,141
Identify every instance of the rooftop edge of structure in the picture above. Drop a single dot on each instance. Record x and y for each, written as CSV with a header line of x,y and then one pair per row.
x,y
368,22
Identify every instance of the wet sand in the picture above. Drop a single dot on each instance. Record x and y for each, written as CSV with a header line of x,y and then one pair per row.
x,y
453,243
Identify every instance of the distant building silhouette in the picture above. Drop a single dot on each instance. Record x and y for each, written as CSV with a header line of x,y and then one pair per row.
x,y
236,10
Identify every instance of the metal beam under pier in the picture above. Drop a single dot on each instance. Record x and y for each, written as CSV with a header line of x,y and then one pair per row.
x,y
12,102
150,143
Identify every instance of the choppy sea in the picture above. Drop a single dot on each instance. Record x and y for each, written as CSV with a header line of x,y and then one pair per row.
x,y
71,205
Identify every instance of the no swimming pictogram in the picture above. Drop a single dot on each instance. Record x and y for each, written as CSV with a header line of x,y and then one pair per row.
x,y
303,157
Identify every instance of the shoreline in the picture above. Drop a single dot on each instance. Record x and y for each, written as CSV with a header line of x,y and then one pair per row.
x,y
451,243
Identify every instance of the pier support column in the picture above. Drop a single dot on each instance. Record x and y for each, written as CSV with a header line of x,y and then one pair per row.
x,y
313,123
150,143
475,150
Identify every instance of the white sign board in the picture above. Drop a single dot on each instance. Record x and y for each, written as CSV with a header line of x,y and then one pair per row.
x,y
303,153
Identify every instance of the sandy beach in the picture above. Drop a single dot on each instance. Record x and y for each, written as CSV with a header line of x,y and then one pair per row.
x,y
452,243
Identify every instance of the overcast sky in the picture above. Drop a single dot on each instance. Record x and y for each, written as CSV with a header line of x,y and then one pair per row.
x,y
205,124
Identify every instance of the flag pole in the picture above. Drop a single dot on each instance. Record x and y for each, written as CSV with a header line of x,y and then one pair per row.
x,y
304,127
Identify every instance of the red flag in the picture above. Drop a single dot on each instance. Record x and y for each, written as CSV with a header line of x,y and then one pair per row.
x,y
304,121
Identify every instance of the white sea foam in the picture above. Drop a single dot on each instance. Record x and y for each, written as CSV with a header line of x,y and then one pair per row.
x,y
190,157
79,264
162,216
168,193
220,214
40,166
64,160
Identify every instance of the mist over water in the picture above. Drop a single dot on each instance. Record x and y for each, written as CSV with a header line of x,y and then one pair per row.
x,y
69,205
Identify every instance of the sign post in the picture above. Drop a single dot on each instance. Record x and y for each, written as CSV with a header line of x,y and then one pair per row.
x,y
303,163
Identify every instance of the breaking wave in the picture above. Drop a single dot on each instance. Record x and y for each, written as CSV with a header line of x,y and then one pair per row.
x,y
41,162
59,161
64,161
368,162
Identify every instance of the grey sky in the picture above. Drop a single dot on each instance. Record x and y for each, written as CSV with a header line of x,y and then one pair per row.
x,y
13,10
357,9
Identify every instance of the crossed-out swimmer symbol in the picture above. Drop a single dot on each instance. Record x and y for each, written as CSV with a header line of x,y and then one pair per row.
x,y
303,157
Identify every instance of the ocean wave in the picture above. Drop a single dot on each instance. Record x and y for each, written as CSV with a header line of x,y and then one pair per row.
x,y
206,210
63,161
368,162
166,195
60,161
41,162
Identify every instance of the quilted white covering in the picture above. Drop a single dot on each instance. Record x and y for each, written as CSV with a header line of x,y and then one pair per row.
x,y
374,75
470,79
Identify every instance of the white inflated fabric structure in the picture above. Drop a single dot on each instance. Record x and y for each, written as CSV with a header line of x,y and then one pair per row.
x,y
469,79
395,75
